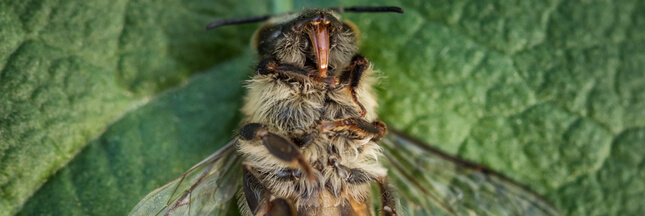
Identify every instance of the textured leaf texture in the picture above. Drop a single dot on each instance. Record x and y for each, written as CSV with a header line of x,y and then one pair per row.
x,y
103,101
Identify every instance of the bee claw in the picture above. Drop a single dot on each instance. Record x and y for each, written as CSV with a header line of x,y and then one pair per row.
x,y
388,202
387,211
331,81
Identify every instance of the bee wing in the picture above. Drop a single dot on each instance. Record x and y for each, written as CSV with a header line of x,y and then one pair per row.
x,y
206,187
431,182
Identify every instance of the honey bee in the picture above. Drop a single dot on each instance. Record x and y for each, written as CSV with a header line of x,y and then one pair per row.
x,y
311,142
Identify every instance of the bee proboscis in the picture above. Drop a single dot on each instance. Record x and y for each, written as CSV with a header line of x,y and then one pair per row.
x,y
311,143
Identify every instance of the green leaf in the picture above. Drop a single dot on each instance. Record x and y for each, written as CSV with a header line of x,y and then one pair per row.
x,y
148,147
69,69
551,93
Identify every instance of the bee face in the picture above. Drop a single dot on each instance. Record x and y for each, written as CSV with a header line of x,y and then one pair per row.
x,y
315,39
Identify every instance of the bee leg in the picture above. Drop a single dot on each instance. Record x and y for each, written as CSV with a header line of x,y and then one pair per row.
x,y
269,66
389,204
280,206
353,77
277,145
303,140
260,201
376,129
253,189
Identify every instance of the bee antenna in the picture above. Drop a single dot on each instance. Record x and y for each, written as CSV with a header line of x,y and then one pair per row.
x,y
368,9
236,21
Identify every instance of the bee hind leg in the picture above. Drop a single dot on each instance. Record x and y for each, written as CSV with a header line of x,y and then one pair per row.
x,y
280,147
389,203
279,207
260,201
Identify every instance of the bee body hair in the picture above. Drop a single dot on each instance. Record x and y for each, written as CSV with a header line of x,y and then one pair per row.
x,y
293,109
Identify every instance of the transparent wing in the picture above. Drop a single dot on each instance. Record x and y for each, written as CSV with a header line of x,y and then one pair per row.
x,y
431,182
205,188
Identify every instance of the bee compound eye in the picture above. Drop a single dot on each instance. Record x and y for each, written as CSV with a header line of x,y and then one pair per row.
x,y
275,34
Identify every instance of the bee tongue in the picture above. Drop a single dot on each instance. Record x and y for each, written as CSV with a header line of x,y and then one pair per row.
x,y
319,35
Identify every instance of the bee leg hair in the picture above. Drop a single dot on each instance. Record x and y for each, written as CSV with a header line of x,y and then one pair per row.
x,y
389,203
271,66
376,129
359,176
255,192
353,76
253,189
280,147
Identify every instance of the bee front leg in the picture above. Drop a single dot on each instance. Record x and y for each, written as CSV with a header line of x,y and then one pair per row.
x,y
260,201
352,76
270,66
280,147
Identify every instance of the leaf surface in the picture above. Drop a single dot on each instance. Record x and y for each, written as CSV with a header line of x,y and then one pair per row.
x,y
550,93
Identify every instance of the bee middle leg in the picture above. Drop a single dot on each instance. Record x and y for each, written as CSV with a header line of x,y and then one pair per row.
x,y
278,146
260,201
376,129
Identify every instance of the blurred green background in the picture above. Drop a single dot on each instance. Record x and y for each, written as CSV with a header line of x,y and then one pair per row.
x,y
104,101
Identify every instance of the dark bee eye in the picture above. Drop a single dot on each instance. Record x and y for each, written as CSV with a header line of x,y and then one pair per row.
x,y
265,36
274,33
271,33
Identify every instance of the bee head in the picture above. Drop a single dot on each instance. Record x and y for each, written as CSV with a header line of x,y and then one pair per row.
x,y
313,39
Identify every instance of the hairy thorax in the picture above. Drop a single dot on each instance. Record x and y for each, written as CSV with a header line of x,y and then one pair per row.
x,y
345,163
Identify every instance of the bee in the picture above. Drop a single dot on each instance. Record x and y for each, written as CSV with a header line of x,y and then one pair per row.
x,y
311,142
